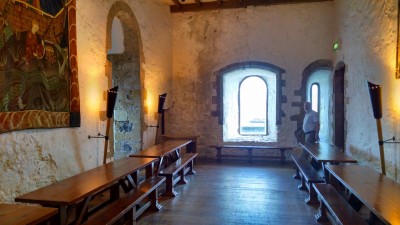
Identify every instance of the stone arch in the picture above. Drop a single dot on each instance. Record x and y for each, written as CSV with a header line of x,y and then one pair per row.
x,y
321,64
217,97
123,69
250,64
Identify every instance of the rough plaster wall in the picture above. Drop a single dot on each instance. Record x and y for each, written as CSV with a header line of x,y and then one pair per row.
x,y
34,158
288,36
367,29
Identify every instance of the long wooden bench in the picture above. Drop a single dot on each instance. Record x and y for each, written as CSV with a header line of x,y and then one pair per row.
x,y
11,214
250,149
308,175
335,208
129,205
181,167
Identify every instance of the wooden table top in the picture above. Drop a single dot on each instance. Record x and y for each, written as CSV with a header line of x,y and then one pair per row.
x,y
324,152
251,146
75,188
376,191
23,214
188,137
162,149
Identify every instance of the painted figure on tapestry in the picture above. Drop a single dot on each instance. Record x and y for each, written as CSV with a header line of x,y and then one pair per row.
x,y
34,46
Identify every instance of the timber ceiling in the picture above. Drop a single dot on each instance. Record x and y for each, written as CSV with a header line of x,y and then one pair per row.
x,y
177,6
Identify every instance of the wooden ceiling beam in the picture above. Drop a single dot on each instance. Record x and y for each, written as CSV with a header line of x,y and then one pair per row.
x,y
198,3
177,4
229,4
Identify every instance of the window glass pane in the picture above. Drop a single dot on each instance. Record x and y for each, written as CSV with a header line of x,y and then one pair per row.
x,y
253,106
314,97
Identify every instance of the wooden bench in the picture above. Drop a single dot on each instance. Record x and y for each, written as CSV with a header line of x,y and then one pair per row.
x,y
308,175
182,166
166,152
73,196
11,214
250,149
335,207
129,205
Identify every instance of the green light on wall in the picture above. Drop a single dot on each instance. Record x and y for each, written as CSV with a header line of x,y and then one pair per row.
x,y
336,46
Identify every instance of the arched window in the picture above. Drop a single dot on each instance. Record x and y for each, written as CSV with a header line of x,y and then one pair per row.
x,y
314,97
253,97
319,92
248,105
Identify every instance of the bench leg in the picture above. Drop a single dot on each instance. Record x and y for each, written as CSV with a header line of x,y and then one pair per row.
x,y
182,180
373,219
130,216
302,186
321,215
297,174
312,198
191,171
169,189
154,200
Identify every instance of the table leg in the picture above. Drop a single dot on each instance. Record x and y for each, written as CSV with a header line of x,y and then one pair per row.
x,y
283,157
134,178
218,154
149,170
160,161
250,155
326,173
81,214
63,215
191,147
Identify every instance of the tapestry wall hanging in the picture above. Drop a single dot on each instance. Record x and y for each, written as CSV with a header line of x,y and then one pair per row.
x,y
38,65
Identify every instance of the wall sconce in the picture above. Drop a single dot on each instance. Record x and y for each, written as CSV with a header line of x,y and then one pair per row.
x,y
160,111
111,99
161,101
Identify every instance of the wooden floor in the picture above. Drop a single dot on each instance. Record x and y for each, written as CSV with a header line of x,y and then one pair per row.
x,y
236,193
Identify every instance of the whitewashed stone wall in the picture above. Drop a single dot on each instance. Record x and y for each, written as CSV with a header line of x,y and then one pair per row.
x,y
34,158
288,36
368,32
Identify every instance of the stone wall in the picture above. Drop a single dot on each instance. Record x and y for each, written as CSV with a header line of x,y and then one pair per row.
x,y
31,159
367,30
288,36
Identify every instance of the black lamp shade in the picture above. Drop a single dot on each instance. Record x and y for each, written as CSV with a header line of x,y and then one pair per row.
x,y
111,97
376,99
161,101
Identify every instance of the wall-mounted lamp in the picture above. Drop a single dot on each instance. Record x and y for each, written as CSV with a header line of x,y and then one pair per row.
x,y
161,101
111,99
160,111
160,119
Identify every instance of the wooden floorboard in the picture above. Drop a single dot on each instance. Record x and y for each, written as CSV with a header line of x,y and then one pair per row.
x,y
235,193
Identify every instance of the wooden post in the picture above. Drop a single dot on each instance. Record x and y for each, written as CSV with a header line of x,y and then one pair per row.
x,y
376,101
111,98
381,148
106,140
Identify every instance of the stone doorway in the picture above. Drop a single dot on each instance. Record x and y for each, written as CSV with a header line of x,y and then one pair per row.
x,y
124,56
